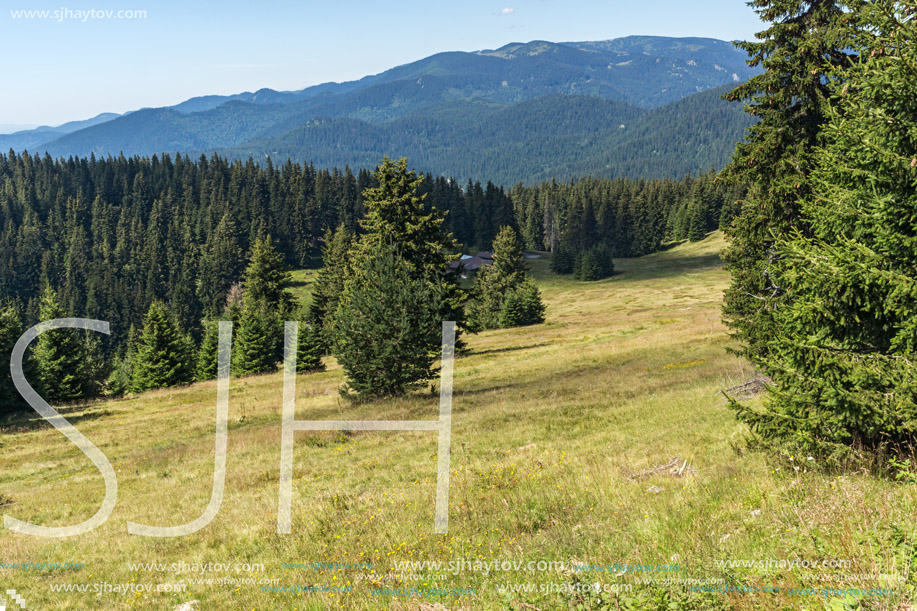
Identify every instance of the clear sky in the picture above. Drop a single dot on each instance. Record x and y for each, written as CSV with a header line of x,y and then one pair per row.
x,y
59,70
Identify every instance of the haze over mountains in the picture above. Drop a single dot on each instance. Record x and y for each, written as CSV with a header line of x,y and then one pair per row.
x,y
639,106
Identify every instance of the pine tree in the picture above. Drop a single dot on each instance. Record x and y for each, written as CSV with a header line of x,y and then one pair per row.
x,y
122,368
699,214
387,326
805,39
842,356
586,266
10,331
221,265
58,356
329,283
509,265
494,284
259,340
486,302
163,355
95,366
266,279
593,264
310,349
207,365
397,213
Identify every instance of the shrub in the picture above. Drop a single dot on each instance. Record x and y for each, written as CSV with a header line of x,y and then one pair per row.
x,y
594,264
523,306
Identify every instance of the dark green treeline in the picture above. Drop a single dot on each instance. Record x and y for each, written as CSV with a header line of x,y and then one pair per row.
x,y
114,236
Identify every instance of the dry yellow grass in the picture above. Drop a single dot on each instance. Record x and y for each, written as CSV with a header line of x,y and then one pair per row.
x,y
554,427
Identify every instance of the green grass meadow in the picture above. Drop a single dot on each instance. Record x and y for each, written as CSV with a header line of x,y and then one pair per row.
x,y
600,438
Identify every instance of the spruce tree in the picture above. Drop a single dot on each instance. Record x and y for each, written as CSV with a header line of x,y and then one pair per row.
x,y
562,259
58,356
310,349
259,339
207,365
494,284
586,266
122,368
700,212
387,326
95,365
220,265
397,213
805,39
486,302
509,265
329,283
10,331
842,356
163,355
593,264
266,279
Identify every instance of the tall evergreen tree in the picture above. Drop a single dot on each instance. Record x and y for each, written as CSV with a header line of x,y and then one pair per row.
x,y
494,285
842,356
509,264
58,356
562,259
10,331
397,213
266,279
121,376
329,282
221,265
593,264
806,38
387,326
522,306
163,356
259,339
310,348
207,365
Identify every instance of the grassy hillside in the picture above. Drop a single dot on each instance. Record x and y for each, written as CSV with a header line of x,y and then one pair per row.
x,y
557,433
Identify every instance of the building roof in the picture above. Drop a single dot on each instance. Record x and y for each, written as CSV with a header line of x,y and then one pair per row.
x,y
477,262
473,263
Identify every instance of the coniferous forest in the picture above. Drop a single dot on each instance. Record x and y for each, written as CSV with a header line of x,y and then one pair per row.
x,y
168,241
658,385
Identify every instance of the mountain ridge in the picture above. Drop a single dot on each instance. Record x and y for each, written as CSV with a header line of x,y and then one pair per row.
x,y
644,72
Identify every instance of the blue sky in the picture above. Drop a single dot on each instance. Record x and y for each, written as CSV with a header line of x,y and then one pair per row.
x,y
75,68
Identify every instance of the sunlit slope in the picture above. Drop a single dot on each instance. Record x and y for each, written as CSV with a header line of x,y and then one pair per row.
x,y
556,432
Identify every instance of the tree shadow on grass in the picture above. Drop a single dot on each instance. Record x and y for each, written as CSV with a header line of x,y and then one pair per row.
x,y
499,350
671,266
28,421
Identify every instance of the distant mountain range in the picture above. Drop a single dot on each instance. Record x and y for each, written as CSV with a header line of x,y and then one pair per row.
x,y
639,106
